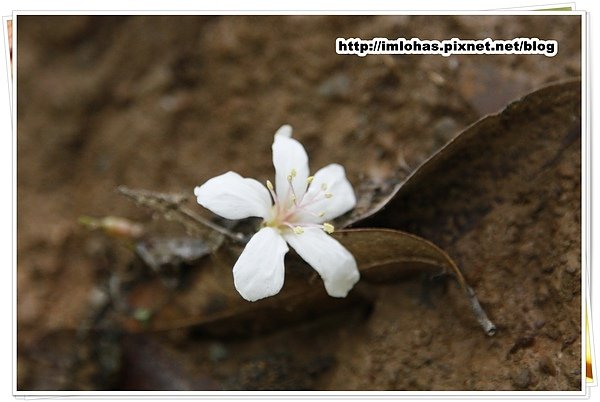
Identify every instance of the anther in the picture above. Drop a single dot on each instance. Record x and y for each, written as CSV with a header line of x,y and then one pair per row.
x,y
309,179
270,185
324,186
298,230
321,214
292,174
328,195
328,227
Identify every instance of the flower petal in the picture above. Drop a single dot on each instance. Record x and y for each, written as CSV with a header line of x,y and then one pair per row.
x,y
259,271
234,197
289,155
328,257
285,131
342,200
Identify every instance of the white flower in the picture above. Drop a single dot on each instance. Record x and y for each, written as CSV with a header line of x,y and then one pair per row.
x,y
295,214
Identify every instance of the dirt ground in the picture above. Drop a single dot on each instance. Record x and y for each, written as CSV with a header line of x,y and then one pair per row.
x,y
165,103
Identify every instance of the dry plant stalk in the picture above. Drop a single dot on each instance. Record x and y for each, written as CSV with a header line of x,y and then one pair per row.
x,y
172,207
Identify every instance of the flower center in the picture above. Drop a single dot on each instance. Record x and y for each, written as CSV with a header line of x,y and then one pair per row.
x,y
293,212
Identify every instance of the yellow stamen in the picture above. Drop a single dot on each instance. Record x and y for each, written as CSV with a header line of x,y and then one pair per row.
x,y
292,174
328,227
298,230
270,185
309,179
328,195
321,214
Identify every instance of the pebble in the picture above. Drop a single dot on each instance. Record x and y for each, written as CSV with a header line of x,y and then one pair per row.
x,y
444,129
572,269
548,269
567,169
337,86
547,366
217,352
421,338
98,297
552,332
572,263
521,379
529,250
522,342
574,378
542,294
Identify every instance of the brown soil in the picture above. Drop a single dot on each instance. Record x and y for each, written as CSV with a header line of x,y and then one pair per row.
x,y
165,103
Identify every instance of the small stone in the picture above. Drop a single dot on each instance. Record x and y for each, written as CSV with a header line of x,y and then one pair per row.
x,y
573,263
522,342
521,379
421,338
571,269
444,129
217,352
567,169
552,331
548,269
542,294
337,86
574,378
547,366
529,250
98,297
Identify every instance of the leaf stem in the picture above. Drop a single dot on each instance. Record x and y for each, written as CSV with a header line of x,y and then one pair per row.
x,y
488,326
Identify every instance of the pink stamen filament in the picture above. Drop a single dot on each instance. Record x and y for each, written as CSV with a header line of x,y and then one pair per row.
x,y
284,215
318,196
